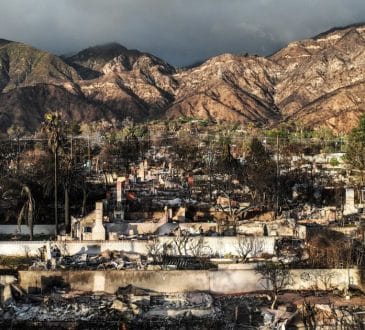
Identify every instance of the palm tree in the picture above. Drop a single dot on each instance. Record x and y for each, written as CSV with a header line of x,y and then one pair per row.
x,y
54,128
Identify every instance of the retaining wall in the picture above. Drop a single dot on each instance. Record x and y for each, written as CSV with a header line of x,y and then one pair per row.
x,y
160,281
220,246
215,281
24,230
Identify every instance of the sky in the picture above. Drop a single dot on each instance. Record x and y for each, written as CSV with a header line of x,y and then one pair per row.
x,y
181,32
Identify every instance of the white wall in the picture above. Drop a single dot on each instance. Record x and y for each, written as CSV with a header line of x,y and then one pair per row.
x,y
20,248
24,230
217,245
324,279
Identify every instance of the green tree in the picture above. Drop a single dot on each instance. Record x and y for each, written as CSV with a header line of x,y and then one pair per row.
x,y
355,148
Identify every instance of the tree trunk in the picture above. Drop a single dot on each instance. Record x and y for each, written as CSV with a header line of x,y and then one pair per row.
x,y
67,209
84,199
273,305
55,191
31,232
105,181
17,155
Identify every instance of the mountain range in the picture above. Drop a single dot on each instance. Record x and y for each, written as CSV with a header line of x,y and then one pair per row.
x,y
313,83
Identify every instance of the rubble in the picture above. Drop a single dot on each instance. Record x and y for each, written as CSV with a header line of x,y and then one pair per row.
x,y
119,305
129,304
135,307
59,306
117,260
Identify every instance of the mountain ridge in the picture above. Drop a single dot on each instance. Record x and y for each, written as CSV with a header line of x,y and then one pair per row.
x,y
315,82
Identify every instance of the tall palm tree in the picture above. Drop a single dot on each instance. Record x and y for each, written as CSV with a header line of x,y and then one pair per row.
x,y
54,128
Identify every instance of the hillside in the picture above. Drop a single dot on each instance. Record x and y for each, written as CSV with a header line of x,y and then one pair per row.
x,y
313,83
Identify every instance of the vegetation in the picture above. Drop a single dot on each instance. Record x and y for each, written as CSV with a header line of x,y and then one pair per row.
x,y
275,278
248,246
355,148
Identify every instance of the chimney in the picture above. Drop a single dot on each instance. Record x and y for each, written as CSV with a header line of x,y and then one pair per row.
x,y
98,231
119,191
99,212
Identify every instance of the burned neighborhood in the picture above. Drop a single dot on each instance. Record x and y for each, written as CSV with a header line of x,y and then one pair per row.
x,y
195,226
222,190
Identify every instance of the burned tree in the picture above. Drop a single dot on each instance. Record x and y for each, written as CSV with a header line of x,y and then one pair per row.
x,y
154,249
276,277
198,247
259,173
180,243
248,246
228,183
330,249
20,198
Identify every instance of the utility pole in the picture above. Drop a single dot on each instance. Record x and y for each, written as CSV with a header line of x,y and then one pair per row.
x,y
88,152
17,153
55,190
71,149
277,175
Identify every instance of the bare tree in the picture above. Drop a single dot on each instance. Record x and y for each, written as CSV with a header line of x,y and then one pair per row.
x,y
276,276
180,243
230,208
19,198
28,210
248,246
16,132
154,249
198,247
259,173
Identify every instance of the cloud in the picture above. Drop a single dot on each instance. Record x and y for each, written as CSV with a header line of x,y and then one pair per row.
x,y
180,31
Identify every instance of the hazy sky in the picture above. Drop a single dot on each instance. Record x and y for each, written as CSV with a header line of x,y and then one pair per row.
x,y
179,31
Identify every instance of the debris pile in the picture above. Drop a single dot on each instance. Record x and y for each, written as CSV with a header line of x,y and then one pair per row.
x,y
106,260
332,317
185,262
145,305
135,307
131,305
62,306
